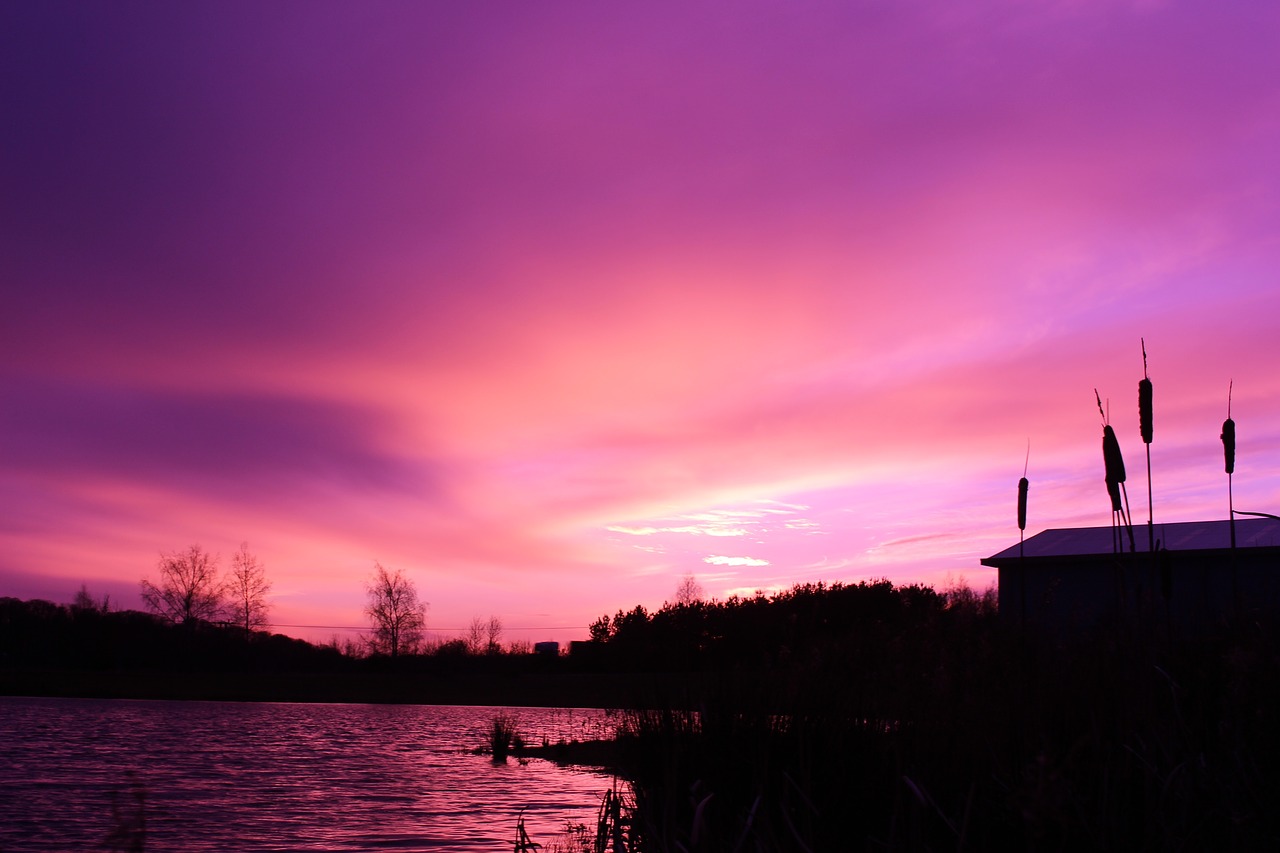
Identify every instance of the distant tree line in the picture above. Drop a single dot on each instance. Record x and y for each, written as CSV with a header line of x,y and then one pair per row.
x,y
41,634
190,590
787,628
200,619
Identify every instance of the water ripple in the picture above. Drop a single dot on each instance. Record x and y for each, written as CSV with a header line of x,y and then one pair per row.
x,y
267,777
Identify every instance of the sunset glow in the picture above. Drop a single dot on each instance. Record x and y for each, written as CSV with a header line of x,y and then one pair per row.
x,y
551,305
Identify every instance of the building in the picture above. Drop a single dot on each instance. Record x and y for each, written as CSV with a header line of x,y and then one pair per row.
x,y
1077,577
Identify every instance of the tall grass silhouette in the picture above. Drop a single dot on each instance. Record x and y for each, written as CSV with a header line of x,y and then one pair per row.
x,y
960,730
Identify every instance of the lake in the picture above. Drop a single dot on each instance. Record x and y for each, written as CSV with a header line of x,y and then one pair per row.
x,y
275,777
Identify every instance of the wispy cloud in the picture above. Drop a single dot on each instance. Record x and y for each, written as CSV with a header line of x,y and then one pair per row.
x,y
722,521
750,591
735,561
711,529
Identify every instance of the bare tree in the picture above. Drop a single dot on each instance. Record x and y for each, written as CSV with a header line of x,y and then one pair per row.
x,y
475,636
189,589
347,646
247,589
484,636
84,600
494,634
398,616
689,591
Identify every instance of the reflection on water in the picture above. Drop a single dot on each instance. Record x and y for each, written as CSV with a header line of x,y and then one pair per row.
x,y
257,777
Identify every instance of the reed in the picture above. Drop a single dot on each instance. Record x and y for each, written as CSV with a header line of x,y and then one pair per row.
x,y
503,737
966,733
524,844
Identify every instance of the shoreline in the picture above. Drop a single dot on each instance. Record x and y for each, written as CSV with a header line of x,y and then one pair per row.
x,y
603,755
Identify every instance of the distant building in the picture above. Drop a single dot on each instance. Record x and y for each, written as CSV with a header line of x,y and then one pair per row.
x,y
1076,577
549,647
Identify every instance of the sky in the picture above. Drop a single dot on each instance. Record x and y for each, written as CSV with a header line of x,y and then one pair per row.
x,y
550,305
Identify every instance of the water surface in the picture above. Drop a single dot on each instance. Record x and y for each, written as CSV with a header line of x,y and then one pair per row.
x,y
265,777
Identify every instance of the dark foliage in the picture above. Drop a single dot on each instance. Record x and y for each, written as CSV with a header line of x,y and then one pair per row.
x,y
938,726
42,635
787,628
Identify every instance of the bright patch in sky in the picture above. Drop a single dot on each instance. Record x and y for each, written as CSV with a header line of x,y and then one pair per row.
x,y
735,561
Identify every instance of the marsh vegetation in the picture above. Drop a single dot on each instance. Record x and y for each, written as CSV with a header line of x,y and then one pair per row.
x,y
930,723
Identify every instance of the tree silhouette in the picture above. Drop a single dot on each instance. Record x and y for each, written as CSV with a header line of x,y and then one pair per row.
x,y
484,636
493,634
247,589
601,629
398,616
85,601
189,589
689,590
475,636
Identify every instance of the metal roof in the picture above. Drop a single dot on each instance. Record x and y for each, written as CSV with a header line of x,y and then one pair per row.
x,y
1179,536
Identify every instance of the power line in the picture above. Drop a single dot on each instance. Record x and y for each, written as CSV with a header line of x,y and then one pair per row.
x,y
523,628
329,627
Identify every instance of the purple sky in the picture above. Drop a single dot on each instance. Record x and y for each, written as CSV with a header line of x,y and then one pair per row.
x,y
550,304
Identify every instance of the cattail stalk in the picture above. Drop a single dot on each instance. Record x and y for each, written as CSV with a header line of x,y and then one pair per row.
x,y
1115,476
1145,427
1023,485
1229,453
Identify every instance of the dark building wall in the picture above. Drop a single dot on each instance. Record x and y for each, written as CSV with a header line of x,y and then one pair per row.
x,y
1199,588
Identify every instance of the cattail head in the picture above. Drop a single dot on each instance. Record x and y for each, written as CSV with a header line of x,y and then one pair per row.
x,y
1144,409
1144,399
1229,444
1229,433
1111,455
1022,503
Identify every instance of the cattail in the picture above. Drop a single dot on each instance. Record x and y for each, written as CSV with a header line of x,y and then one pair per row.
x,y
1144,409
1111,456
1115,475
1229,444
1229,436
1113,491
1144,425
1229,451
1144,400
1110,446
1022,503
1022,491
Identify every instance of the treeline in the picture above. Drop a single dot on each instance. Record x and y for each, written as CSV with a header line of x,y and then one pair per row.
x,y
889,719
637,659
89,635
42,634
787,631
794,628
